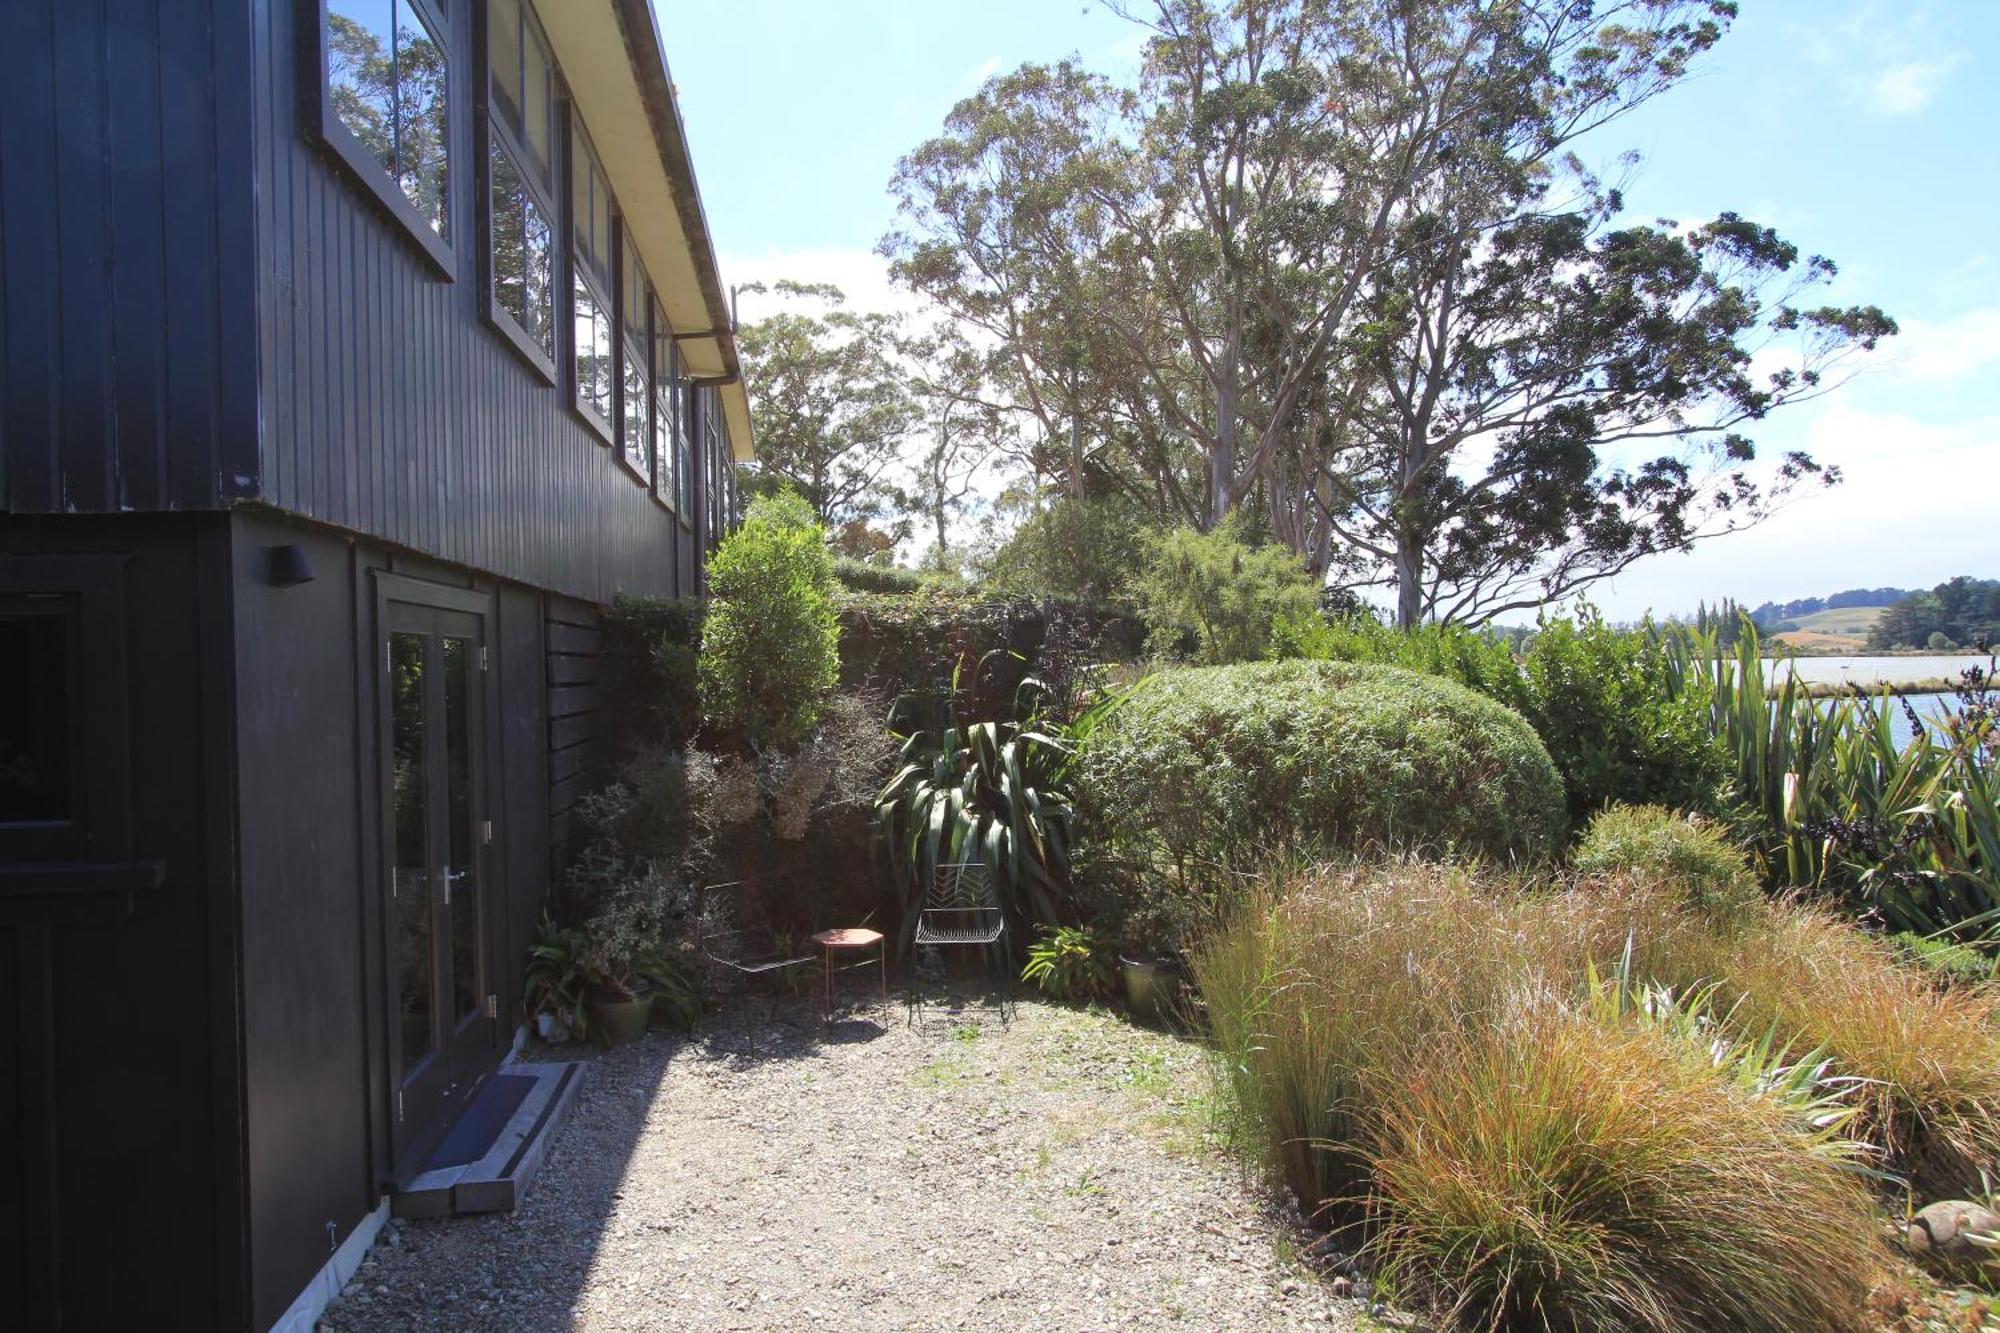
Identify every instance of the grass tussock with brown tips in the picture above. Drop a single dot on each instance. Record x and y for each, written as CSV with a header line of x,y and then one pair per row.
x,y
1414,1049
1552,1172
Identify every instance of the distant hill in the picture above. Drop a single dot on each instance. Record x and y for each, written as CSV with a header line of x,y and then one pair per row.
x,y
1843,629
1772,614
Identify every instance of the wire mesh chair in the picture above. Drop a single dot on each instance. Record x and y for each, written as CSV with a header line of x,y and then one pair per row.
x,y
738,952
961,910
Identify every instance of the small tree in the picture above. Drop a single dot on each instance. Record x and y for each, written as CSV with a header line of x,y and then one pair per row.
x,y
1220,591
770,651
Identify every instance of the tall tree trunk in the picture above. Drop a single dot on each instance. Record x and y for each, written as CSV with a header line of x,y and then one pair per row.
x,y
1222,456
1075,441
1409,579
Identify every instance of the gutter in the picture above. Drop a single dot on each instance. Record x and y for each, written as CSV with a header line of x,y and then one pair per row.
x,y
656,89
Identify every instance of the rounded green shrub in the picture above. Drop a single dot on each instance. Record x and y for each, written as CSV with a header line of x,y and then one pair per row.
x,y
1689,855
1222,766
770,647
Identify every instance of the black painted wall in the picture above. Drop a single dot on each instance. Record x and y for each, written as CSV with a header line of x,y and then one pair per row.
x,y
145,1090
315,953
390,406
127,357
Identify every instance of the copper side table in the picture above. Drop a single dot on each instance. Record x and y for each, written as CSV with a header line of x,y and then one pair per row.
x,y
854,939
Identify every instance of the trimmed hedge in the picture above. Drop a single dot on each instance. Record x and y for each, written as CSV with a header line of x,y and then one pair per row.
x,y
1227,764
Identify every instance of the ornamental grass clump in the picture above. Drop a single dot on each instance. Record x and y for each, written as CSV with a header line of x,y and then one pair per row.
x,y
1689,856
1550,1171
1507,1097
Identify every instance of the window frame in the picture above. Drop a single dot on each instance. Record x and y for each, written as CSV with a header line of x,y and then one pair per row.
x,y
622,335
88,593
498,136
579,272
362,166
661,393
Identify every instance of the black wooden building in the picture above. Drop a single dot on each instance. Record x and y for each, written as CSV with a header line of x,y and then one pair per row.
x,y
353,355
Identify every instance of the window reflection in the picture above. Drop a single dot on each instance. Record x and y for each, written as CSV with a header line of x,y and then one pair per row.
x,y
410,837
387,80
459,868
593,352
523,254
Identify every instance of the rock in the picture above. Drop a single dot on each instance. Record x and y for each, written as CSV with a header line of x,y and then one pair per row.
x,y
1955,1234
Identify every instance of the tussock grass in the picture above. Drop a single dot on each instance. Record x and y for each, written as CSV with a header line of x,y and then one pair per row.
x,y
1552,1172
1415,1049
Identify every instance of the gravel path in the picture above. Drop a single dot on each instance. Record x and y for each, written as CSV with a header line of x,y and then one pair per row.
x,y
1052,1172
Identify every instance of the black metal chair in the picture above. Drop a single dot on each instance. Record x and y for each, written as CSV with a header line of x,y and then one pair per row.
x,y
961,910
739,952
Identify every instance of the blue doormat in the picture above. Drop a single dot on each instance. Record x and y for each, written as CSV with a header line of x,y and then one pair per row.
x,y
480,1124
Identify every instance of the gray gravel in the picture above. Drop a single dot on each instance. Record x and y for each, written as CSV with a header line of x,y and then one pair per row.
x,y
1054,1172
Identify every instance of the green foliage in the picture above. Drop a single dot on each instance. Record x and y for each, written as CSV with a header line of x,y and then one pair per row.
x,y
1910,833
1200,771
651,649
1690,856
990,793
554,982
834,403
867,576
1215,596
1070,963
1083,550
1952,964
1603,700
1959,610
770,654
1600,699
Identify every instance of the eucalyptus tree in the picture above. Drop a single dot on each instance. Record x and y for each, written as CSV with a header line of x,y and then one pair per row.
x,y
834,410
1541,397
1182,263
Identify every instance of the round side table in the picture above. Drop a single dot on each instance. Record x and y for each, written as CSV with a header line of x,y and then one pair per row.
x,y
853,939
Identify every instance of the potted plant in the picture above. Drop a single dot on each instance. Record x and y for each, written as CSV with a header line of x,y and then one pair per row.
x,y
1150,956
554,983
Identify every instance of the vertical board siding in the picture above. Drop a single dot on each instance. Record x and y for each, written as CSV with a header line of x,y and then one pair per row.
x,y
390,406
126,257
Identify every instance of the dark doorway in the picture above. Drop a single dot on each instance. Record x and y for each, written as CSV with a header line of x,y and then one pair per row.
x,y
441,1002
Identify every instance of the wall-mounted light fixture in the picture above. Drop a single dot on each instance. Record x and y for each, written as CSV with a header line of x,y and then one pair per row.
x,y
289,566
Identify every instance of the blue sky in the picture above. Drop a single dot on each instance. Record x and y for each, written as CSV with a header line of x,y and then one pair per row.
x,y
1865,130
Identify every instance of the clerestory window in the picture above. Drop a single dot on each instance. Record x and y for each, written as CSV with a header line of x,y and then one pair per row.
x,y
521,163
385,108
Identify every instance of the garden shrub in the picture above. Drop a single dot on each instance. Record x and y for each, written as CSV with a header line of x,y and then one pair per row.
x,y
1605,701
977,649
651,648
770,656
1602,701
1691,856
1214,597
1075,550
1950,963
1204,769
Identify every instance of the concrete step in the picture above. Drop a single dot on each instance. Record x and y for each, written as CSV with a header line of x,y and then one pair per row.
x,y
484,1162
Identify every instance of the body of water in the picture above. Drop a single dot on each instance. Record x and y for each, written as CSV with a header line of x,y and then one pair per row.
x,y
1866,671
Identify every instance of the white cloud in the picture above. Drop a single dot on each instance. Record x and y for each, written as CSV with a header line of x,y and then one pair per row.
x,y
970,81
1904,516
1907,87
1946,351
1890,58
862,274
